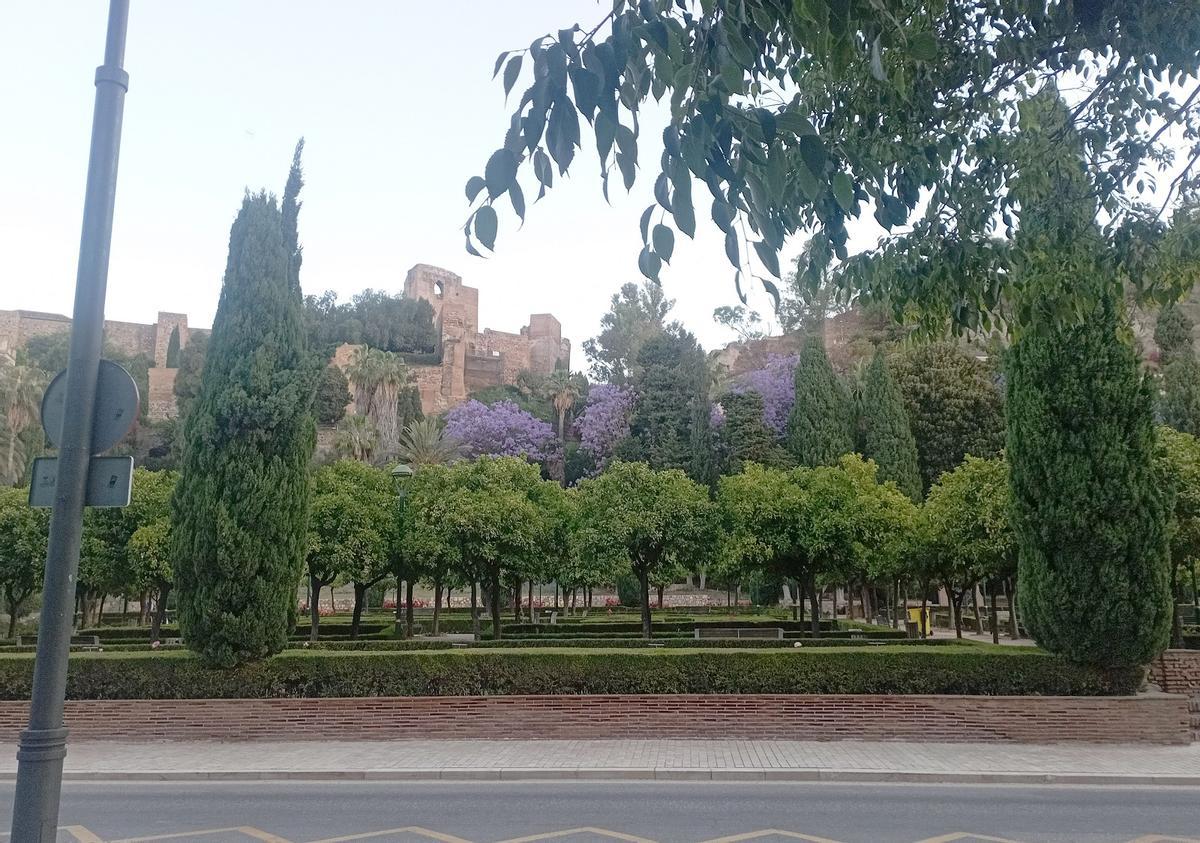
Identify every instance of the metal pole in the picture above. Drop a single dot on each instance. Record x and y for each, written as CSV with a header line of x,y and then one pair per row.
x,y
43,745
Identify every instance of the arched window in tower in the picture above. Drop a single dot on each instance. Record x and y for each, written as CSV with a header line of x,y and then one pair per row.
x,y
439,289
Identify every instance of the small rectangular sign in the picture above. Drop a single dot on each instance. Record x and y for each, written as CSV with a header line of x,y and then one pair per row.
x,y
110,480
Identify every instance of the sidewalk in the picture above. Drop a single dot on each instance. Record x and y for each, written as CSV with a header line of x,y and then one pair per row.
x,y
728,760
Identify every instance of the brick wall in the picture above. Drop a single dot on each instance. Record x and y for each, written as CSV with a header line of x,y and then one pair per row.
x,y
1178,672
1150,719
162,394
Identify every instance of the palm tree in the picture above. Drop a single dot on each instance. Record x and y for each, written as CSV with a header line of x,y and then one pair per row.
x,y
363,373
393,376
357,438
563,389
424,442
20,397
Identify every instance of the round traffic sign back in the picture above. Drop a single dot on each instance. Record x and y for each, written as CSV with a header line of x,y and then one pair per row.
x,y
117,405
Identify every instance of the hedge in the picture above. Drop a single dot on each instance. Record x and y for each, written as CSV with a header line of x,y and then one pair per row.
x,y
707,643
668,626
851,670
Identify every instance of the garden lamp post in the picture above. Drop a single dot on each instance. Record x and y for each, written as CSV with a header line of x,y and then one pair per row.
x,y
400,475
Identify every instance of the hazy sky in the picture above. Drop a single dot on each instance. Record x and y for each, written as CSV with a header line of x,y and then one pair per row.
x,y
397,107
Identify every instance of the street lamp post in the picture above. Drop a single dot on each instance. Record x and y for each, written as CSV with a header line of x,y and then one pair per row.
x,y
43,745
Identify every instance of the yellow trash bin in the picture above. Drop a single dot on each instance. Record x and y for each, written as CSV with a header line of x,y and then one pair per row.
x,y
922,623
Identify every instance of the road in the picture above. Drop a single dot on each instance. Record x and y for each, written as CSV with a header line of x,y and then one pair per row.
x,y
636,811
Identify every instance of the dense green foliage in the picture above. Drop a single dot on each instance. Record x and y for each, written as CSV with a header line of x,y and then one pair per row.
x,y
954,407
743,437
333,394
887,436
22,551
635,314
1179,403
653,523
372,317
1089,512
240,511
884,106
923,670
819,425
1177,459
670,423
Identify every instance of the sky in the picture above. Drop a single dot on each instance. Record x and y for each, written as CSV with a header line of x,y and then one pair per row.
x,y
398,109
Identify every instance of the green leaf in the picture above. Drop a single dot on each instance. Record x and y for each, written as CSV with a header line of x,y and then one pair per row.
x,y
923,46
628,168
649,263
772,291
471,250
664,242
511,71
768,256
661,193
843,192
645,224
767,122
518,199
731,249
797,124
681,201
812,150
485,226
500,172
723,214
474,185
499,62
737,285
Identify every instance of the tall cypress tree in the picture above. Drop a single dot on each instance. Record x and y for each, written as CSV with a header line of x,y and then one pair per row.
x,y
744,436
1179,403
1089,516
887,435
240,510
819,425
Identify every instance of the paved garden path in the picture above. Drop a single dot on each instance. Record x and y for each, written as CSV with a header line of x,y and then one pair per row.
x,y
640,759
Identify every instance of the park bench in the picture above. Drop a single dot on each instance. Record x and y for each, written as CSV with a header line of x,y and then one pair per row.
x,y
79,642
735,632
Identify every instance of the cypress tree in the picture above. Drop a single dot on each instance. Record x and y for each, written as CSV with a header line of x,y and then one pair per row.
x,y
1179,403
819,425
669,427
744,435
240,510
173,349
887,435
1089,515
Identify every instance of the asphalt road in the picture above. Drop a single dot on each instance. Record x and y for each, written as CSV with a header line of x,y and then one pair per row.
x,y
447,812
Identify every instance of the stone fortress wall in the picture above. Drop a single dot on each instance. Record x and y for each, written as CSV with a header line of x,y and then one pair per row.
x,y
472,359
151,341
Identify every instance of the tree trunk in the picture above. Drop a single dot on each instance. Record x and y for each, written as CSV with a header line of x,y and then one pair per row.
x,y
1195,593
360,596
100,610
556,595
1176,623
660,596
475,608
531,601
398,623
798,598
815,605
644,583
496,630
408,608
1010,596
437,607
994,618
160,611
956,608
849,602
314,608
975,605
12,618
925,609
517,600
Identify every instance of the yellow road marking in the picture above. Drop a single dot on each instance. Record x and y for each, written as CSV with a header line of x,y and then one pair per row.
x,y
249,831
769,832
603,832
965,835
410,829
81,834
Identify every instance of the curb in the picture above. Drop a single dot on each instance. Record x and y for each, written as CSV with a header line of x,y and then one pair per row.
x,y
726,774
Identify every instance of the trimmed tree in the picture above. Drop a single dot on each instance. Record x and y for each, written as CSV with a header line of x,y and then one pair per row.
x,y
1179,402
240,510
887,435
1178,460
653,523
23,532
819,424
953,404
1089,513
744,437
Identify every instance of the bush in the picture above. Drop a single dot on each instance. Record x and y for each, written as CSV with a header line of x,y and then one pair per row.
x,y
661,626
855,670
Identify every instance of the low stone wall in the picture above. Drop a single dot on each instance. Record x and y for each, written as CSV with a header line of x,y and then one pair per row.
x,y
1178,672
1161,719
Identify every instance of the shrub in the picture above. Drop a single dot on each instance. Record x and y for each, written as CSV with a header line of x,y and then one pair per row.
x,y
897,670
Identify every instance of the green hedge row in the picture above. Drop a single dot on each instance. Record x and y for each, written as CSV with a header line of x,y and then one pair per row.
x,y
916,670
668,626
704,643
